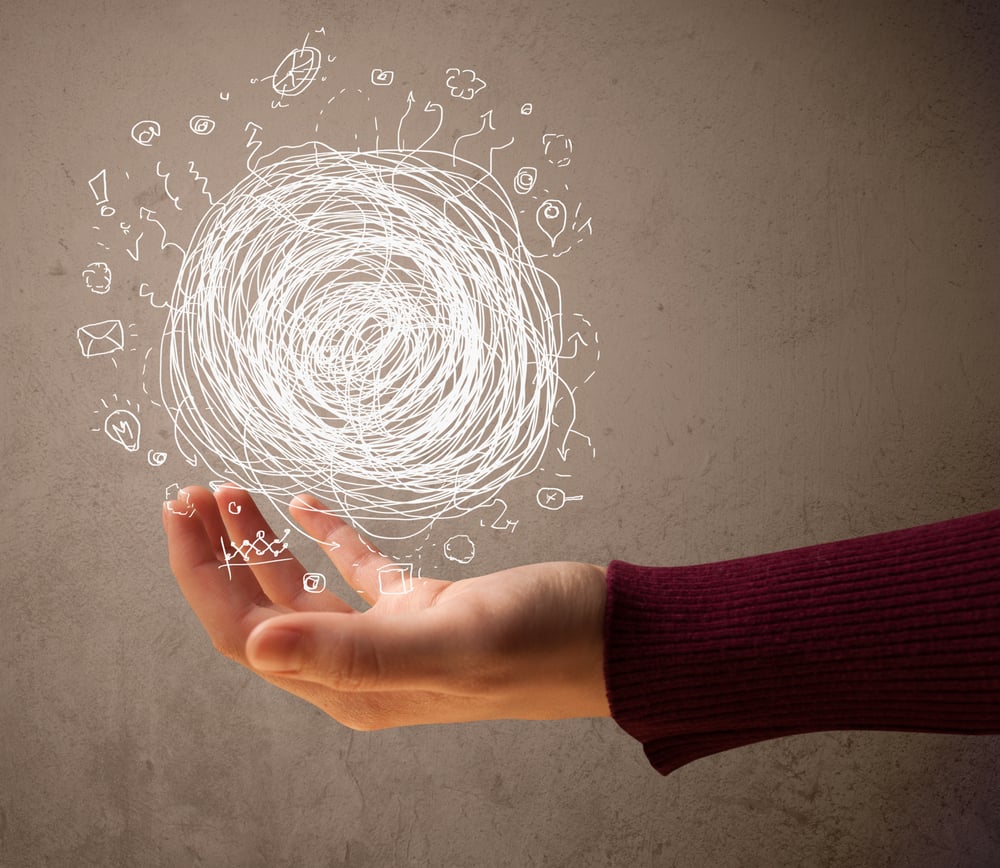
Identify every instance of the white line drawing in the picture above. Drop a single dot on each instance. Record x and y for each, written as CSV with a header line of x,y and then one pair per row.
x,y
430,107
551,219
496,148
173,199
173,494
487,123
399,358
234,508
155,458
526,109
382,77
147,293
261,546
201,125
296,71
524,180
463,83
509,525
150,217
554,498
395,579
557,148
97,277
410,99
460,548
99,187
224,96
253,129
145,133
122,426
101,338
199,177
314,583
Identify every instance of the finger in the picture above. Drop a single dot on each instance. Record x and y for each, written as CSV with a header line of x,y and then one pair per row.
x,y
228,610
255,545
363,566
363,653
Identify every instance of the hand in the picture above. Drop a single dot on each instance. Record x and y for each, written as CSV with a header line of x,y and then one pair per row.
x,y
522,643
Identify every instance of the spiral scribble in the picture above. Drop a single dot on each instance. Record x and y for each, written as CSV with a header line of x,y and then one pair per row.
x,y
368,327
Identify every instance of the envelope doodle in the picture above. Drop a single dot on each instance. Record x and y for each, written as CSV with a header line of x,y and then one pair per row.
x,y
101,338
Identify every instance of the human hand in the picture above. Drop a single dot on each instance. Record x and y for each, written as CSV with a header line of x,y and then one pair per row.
x,y
522,643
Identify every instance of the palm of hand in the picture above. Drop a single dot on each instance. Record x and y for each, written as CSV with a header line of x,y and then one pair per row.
x,y
525,642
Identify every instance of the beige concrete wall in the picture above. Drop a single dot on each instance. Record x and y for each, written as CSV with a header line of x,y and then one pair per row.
x,y
795,277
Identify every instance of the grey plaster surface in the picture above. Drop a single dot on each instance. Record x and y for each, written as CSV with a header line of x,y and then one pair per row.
x,y
795,274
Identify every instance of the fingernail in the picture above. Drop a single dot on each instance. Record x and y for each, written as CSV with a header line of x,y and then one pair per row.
x,y
278,649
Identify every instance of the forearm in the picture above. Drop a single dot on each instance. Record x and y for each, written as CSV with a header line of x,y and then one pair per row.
x,y
898,631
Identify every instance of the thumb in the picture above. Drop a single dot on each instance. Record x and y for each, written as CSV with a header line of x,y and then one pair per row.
x,y
355,652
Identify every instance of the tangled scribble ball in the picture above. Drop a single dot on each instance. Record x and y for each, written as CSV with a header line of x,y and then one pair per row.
x,y
368,327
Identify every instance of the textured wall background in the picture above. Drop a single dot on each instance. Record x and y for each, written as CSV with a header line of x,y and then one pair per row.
x,y
795,273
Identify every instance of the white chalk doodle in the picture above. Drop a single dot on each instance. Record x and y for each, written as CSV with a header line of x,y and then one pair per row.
x,y
381,360
463,83
234,508
297,70
369,323
314,583
122,427
557,148
145,133
460,548
395,579
178,500
554,498
201,125
99,187
97,277
155,458
551,219
174,200
524,180
101,338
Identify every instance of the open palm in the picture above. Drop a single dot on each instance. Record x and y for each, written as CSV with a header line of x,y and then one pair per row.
x,y
522,643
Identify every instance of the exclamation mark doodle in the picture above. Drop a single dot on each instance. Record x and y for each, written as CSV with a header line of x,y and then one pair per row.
x,y
99,187
551,219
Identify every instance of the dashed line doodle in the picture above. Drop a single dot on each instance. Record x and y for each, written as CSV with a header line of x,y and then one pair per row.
x,y
97,277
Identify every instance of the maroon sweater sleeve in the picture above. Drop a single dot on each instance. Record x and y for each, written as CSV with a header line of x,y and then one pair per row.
x,y
897,631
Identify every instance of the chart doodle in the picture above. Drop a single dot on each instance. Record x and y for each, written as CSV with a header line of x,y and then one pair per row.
x,y
97,277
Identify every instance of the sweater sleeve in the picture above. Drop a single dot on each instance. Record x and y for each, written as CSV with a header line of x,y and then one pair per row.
x,y
896,631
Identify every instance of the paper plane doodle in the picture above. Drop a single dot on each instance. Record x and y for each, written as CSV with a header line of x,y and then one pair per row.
x,y
101,338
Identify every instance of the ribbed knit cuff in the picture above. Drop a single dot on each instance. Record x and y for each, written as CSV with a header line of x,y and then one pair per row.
x,y
896,631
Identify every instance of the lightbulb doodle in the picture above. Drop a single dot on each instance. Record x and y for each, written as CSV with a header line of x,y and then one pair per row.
x,y
370,314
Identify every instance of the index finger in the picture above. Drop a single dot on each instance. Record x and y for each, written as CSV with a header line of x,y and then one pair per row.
x,y
362,565
227,608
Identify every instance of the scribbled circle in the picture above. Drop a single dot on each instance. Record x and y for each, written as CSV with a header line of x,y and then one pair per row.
x,y
368,327
201,125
